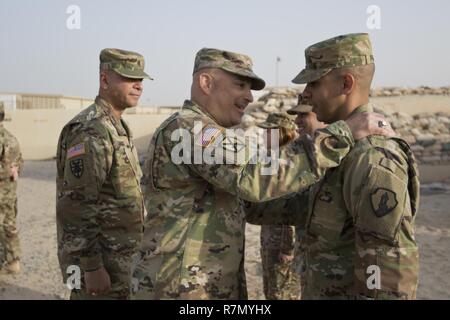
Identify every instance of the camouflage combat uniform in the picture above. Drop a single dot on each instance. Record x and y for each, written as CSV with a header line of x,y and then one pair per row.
x,y
359,226
9,156
100,208
193,246
281,279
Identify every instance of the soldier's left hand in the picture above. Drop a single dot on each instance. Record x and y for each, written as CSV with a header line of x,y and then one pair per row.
x,y
369,123
14,173
97,282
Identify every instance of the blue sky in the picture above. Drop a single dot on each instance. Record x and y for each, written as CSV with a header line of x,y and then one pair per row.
x,y
40,54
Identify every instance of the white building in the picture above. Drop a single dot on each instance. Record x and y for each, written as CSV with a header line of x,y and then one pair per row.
x,y
27,101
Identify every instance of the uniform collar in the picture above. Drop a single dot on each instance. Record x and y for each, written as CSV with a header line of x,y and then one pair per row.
x,y
192,106
105,108
362,108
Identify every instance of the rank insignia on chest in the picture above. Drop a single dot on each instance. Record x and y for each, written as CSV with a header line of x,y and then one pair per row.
x,y
326,197
383,201
77,167
233,144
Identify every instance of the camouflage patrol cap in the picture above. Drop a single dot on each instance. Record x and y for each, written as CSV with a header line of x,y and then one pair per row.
x,y
301,107
126,63
349,50
236,63
278,120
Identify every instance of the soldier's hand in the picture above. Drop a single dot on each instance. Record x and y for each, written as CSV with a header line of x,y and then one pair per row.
x,y
284,258
368,123
97,282
14,173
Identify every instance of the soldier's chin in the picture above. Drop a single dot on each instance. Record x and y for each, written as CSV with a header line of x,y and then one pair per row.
x,y
237,119
132,104
133,100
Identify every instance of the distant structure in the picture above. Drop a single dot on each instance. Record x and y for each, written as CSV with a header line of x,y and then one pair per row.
x,y
32,101
28,101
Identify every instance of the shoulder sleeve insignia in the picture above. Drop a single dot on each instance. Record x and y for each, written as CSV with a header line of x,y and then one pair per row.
x,y
383,201
77,167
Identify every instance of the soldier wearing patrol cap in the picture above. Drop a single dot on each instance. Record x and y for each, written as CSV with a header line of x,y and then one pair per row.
x,y
280,279
193,246
100,209
359,228
305,119
287,130
11,164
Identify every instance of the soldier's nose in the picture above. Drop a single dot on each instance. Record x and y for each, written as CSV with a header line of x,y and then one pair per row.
x,y
138,85
249,96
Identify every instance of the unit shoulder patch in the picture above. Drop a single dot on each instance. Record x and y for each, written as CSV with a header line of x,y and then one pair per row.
x,y
77,167
383,201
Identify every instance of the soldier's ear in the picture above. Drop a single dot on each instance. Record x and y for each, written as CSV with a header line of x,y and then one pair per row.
x,y
348,83
206,82
104,81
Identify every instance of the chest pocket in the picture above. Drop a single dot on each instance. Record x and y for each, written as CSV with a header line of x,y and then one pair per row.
x,y
329,219
125,171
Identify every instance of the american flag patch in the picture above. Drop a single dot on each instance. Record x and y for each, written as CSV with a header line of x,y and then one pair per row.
x,y
208,135
76,150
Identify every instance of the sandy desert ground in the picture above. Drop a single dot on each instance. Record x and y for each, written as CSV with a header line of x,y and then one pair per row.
x,y
41,279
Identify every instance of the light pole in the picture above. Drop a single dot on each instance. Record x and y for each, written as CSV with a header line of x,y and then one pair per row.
x,y
276,70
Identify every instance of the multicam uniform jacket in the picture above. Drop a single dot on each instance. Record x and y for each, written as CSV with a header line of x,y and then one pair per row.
x,y
358,230
193,246
100,207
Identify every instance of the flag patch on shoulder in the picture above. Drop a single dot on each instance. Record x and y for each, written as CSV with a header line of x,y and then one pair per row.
x,y
207,136
76,150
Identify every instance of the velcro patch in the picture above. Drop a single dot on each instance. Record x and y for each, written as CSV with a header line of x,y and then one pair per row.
x,y
233,144
383,201
77,168
326,197
76,150
207,136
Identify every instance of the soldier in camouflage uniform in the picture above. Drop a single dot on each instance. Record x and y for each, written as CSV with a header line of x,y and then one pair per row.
x,y
10,167
193,245
359,226
100,207
280,279
305,119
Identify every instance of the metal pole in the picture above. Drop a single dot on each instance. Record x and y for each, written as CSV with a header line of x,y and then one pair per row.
x,y
277,70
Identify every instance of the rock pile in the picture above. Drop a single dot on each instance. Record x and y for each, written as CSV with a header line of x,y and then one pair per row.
x,y
427,133
398,91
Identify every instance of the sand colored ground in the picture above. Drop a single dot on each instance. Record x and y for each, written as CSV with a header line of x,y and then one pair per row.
x,y
41,278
